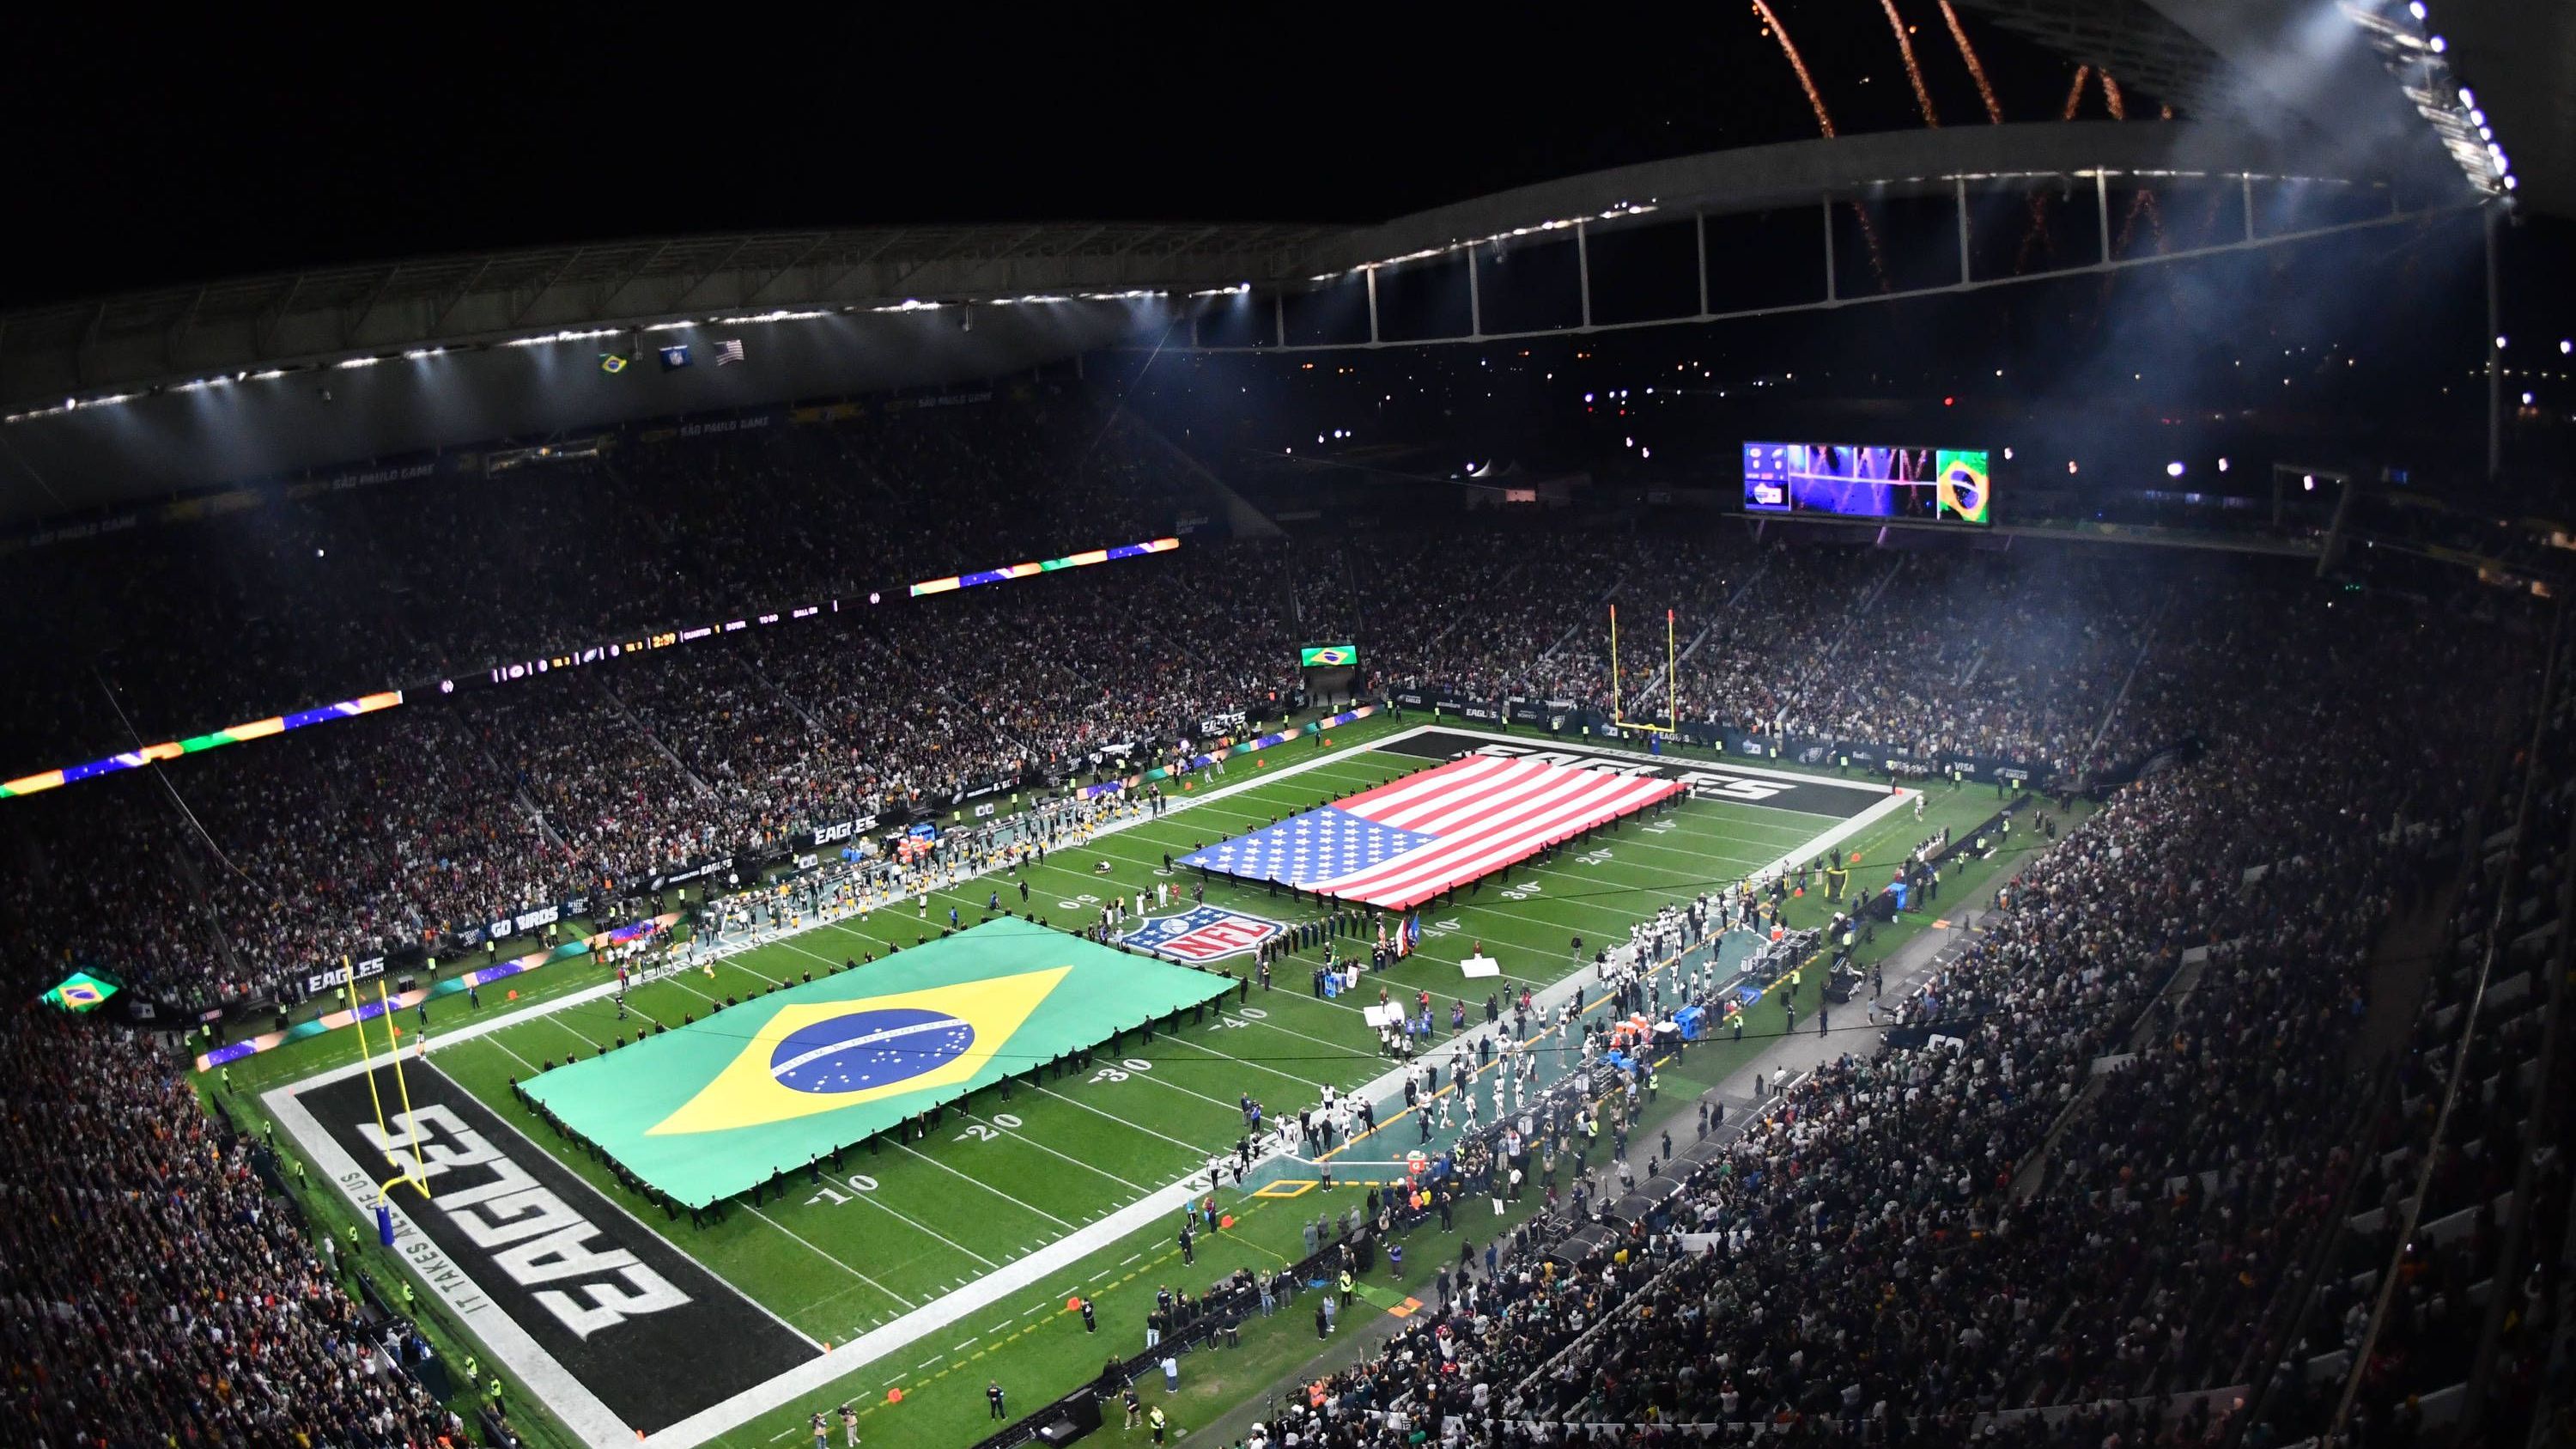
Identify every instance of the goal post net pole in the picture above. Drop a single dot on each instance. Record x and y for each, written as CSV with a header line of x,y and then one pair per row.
x,y
1672,680
417,1174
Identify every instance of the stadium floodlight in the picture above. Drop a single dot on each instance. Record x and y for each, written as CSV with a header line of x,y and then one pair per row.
x,y
2415,8
2174,469
417,353
568,335
346,363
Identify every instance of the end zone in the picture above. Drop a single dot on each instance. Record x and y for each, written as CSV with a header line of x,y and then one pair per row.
x,y
583,1305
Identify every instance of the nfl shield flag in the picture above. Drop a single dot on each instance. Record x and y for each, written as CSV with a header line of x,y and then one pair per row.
x,y
675,357
1202,934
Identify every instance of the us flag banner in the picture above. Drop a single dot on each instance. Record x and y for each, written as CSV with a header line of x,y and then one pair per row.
x,y
1410,839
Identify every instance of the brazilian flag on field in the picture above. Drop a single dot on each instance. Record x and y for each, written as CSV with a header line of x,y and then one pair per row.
x,y
708,1110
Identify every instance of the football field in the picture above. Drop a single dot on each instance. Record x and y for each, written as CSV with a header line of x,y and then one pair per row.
x,y
942,1256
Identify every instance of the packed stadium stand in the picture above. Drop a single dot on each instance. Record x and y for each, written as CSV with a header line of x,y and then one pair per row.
x,y
2223,1103
1978,1230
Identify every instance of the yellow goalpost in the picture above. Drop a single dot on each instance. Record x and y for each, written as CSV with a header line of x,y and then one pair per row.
x,y
415,1171
1672,681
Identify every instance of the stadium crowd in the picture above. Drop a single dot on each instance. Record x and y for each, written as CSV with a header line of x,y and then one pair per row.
x,y
2067,1190
155,1290
412,825
2083,1172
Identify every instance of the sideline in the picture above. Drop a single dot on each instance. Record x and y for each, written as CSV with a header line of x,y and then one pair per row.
x,y
601,1428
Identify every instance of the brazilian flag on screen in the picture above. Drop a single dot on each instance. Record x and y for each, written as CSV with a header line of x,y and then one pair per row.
x,y
708,1110
1319,656
81,991
1964,490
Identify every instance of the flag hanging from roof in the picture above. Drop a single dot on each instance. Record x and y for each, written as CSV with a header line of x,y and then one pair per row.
x,y
1406,841
675,357
729,350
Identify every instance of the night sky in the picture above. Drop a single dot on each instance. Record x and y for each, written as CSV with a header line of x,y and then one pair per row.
x,y
164,152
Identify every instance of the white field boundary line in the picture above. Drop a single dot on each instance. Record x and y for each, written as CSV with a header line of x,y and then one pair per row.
x,y
809,1377
1723,764
538,1010
563,1394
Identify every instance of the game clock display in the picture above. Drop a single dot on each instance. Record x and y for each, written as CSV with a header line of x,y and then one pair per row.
x,y
1853,480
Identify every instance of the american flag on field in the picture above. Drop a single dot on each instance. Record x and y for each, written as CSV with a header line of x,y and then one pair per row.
x,y
1410,839
729,351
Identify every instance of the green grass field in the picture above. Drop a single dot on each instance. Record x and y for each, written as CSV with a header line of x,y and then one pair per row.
x,y
899,1227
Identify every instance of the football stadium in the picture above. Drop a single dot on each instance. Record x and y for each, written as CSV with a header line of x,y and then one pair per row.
x,y
1844,725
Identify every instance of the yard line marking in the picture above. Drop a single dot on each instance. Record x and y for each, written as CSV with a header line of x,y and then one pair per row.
x,y
675,980
1023,1136
1338,1046
1193,1149
828,1258
988,1187
1257,1066
871,1198
514,1056
1130,1258
791,945
1105,1272
1233,1107
934,1358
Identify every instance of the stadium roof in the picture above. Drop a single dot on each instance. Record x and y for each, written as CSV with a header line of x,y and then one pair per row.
x,y
470,336
288,319
2353,78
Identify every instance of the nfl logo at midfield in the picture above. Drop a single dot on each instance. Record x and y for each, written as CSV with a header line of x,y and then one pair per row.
x,y
1201,934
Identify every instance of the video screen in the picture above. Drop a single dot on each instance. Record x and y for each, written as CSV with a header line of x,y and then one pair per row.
x,y
1855,481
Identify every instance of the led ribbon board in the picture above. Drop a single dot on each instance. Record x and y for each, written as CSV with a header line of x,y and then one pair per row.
x,y
955,582
256,729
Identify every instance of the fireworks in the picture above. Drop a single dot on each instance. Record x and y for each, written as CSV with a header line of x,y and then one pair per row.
x,y
1976,67
1789,48
1913,72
